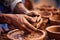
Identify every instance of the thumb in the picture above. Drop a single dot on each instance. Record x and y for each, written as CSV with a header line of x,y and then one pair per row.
x,y
31,19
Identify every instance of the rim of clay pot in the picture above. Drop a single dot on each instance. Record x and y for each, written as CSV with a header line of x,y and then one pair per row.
x,y
43,35
12,32
52,19
54,26
55,20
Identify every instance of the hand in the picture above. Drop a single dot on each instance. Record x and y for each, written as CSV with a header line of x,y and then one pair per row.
x,y
19,21
24,22
33,13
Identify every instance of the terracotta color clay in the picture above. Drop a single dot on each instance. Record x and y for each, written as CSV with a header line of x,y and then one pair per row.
x,y
54,32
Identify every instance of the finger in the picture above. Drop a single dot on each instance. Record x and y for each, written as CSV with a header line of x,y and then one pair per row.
x,y
35,18
38,25
39,18
36,13
29,25
31,19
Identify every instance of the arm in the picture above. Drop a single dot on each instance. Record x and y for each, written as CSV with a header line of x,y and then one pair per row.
x,y
17,6
20,8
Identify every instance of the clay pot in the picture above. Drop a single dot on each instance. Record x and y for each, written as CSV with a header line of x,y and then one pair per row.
x,y
55,19
39,35
43,35
54,32
15,34
45,14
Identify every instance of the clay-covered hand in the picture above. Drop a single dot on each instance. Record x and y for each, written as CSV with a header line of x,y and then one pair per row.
x,y
19,21
33,13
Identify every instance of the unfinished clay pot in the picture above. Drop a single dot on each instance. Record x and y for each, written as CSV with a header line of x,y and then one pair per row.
x,y
15,34
42,24
54,32
38,35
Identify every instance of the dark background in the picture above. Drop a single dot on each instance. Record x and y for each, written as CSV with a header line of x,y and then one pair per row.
x,y
57,3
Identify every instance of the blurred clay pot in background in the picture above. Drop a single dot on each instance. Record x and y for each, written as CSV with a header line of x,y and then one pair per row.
x,y
55,19
54,32
37,35
45,14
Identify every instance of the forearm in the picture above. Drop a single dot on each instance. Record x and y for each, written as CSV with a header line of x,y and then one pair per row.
x,y
21,8
5,18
